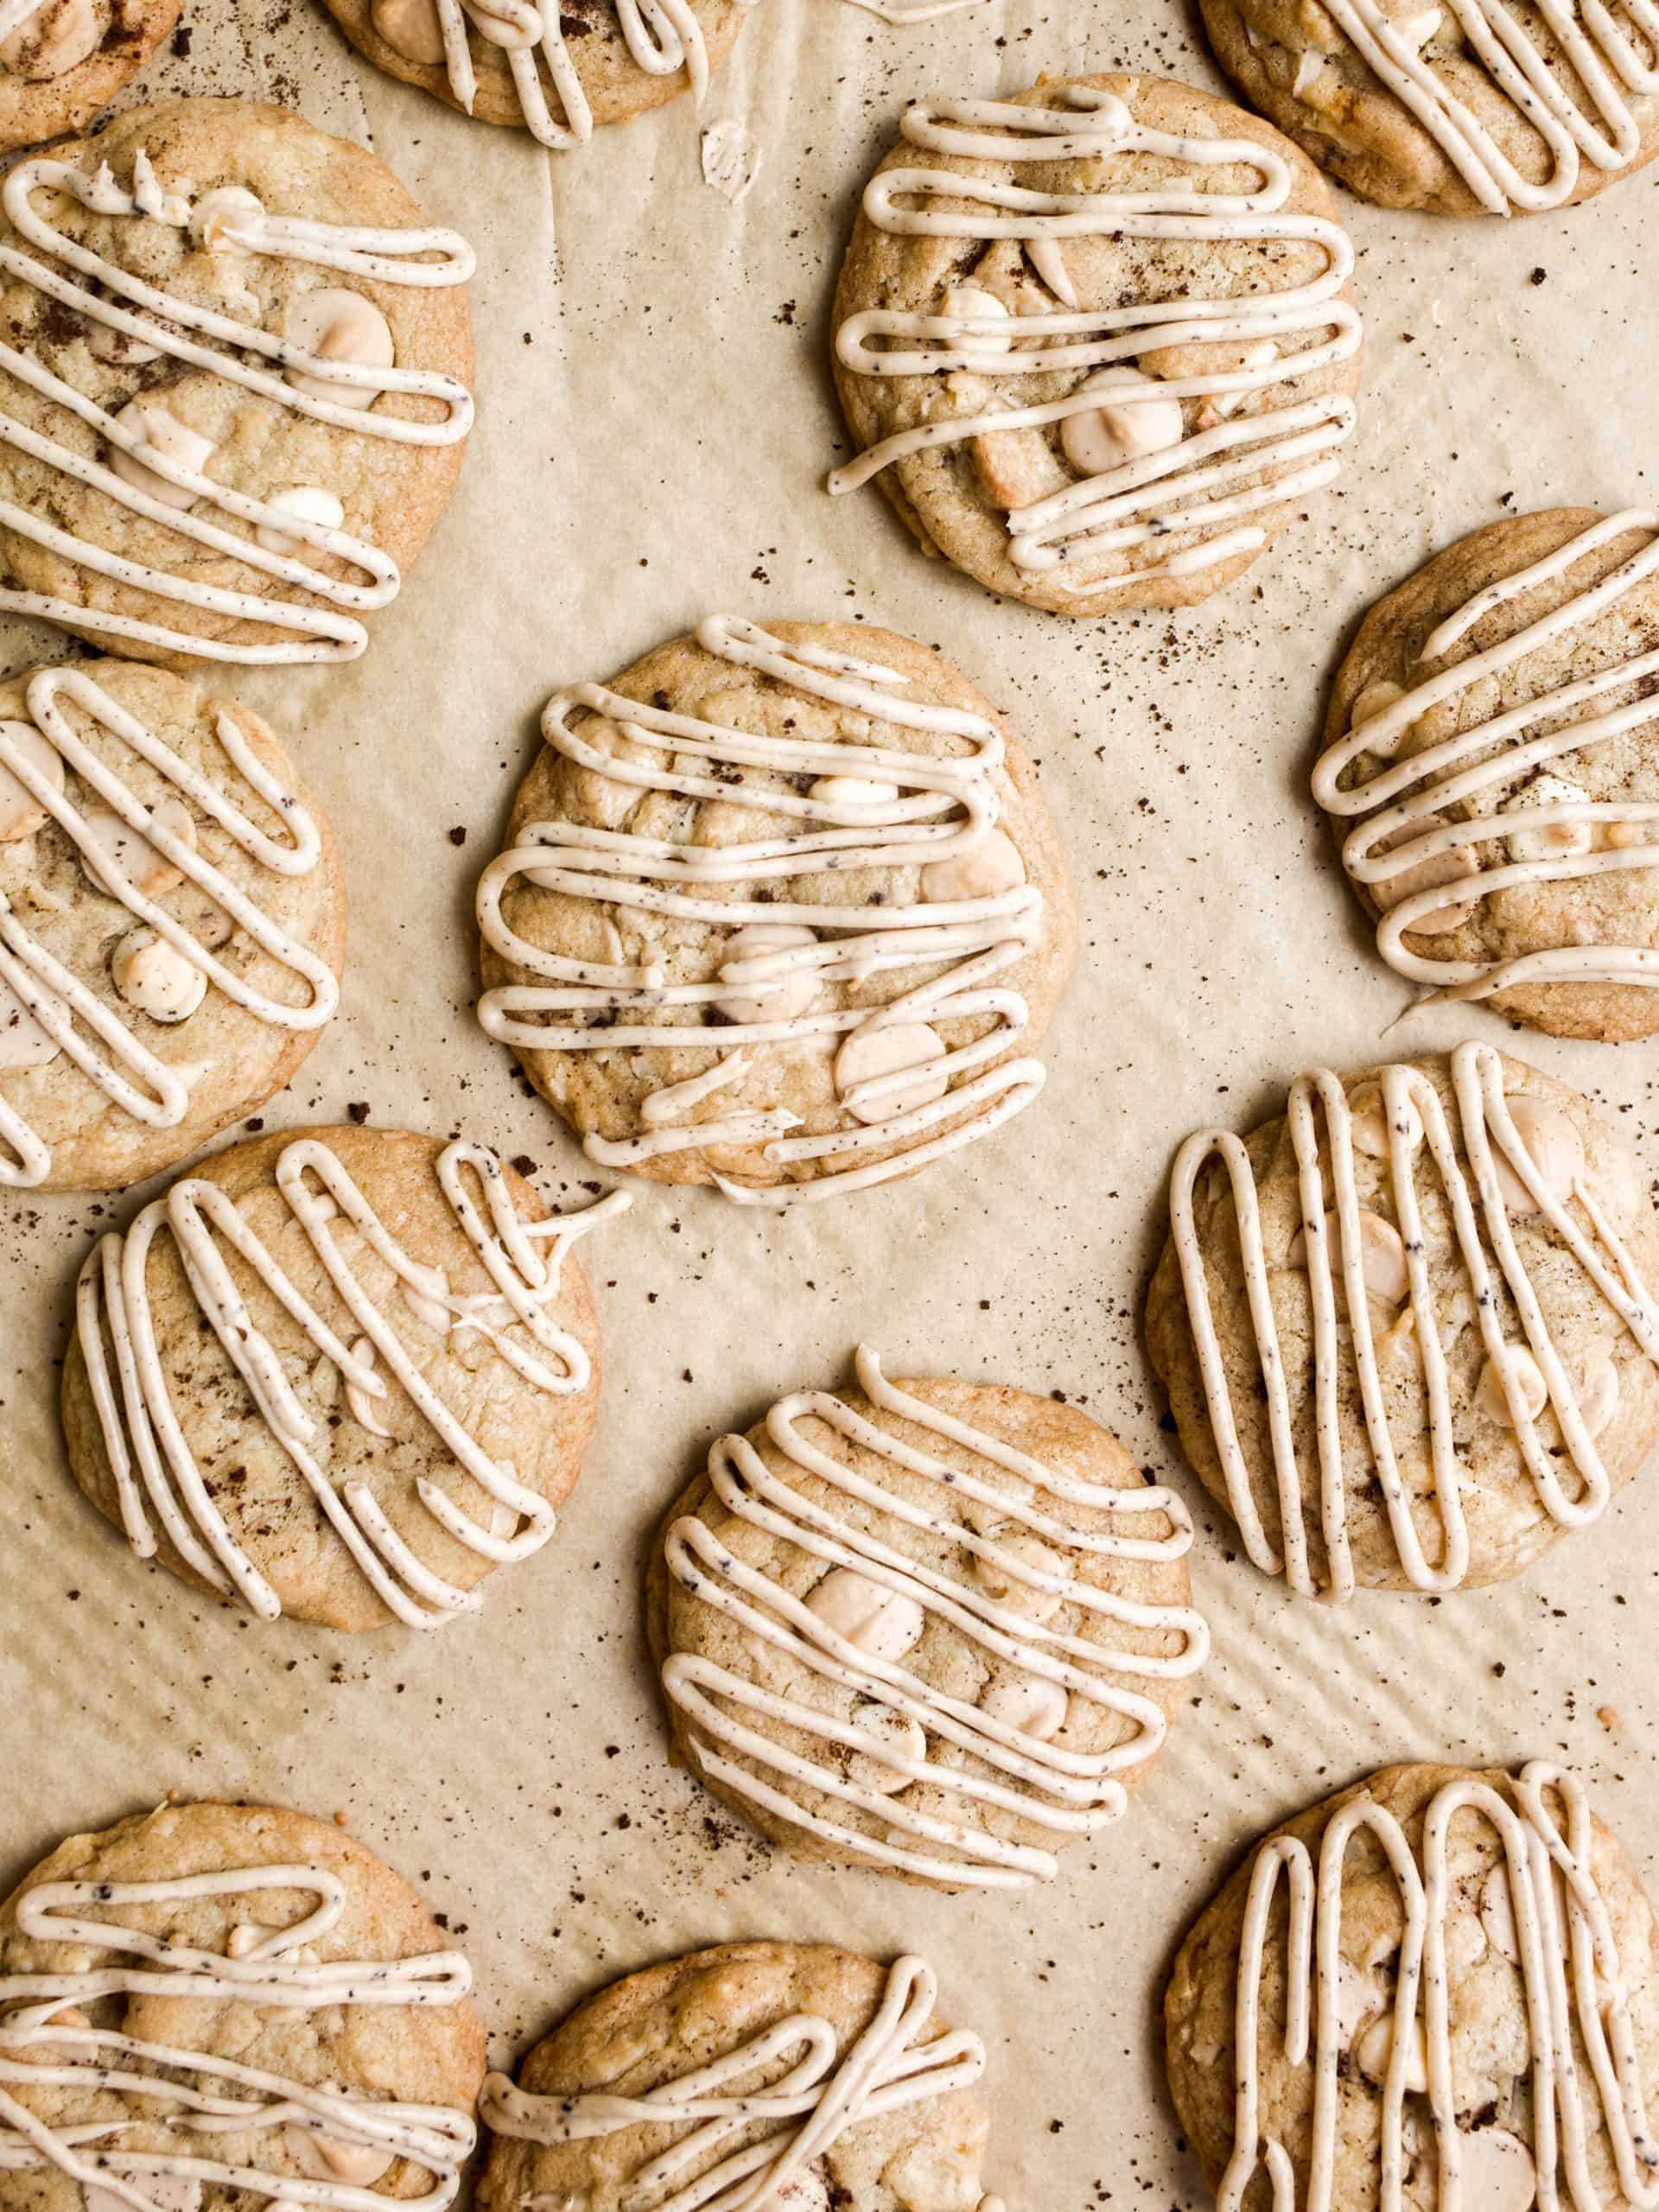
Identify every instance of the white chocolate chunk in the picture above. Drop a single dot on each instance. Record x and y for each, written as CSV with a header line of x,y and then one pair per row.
x,y
882,1622
1551,1140
852,790
108,344
1375,2048
991,864
332,323
1416,29
1376,699
1046,258
53,41
412,26
1308,66
870,1053
21,812
227,220
1559,838
1497,2173
310,502
1359,2000
156,978
768,1001
24,1043
1001,1584
425,1298
362,1407
1498,1912
1030,1703
963,301
1519,1364
1368,1118
112,850
1432,874
1598,1396
1117,431
326,2158
891,1732
1381,1253
175,441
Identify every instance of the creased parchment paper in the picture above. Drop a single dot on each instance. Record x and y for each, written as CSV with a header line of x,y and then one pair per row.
x,y
655,419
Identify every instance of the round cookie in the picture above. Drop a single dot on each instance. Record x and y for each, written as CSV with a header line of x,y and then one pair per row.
x,y
847,2032
1117,395
937,1628
62,61
201,1960
1408,1330
148,997
1417,102
1439,1930
1518,667
237,430
808,851
369,1444
553,70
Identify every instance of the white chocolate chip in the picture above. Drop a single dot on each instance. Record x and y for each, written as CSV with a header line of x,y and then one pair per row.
x,y
52,40
362,1407
1029,1703
21,812
870,1053
1519,1364
1598,1396
1431,874
310,502
962,301
1498,1912
1308,66
852,790
108,344
1497,2173
332,323
1376,699
412,26
991,864
156,978
1551,1140
1359,1998
111,849
1559,838
780,999
24,1043
1416,29
1381,1254
882,1622
175,441
1369,1117
999,1583
891,1731
1046,258
1108,435
425,1298
245,1939
326,2158
1375,2048
227,220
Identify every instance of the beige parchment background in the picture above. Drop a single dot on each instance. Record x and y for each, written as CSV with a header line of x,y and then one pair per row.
x,y
655,420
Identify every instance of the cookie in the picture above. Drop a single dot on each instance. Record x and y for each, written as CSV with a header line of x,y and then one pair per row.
x,y
234,397
229,2003
1497,107
172,922
937,1628
1408,1331
553,70
62,61
813,2077
1097,343
1482,1938
1491,763
340,1374
781,911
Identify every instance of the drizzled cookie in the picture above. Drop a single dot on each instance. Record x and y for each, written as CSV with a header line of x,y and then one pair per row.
x,y
63,61
1410,1330
781,911
939,1629
1096,342
342,1374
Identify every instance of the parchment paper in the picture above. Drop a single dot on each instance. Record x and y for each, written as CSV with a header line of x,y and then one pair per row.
x,y
655,419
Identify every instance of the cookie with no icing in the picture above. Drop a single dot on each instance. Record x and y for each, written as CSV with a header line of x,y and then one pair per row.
x,y
1483,1934
1460,107
853,2094
172,922
782,910
1097,343
1491,766
1409,1329
63,61
240,395
243,1962
940,1629
339,1373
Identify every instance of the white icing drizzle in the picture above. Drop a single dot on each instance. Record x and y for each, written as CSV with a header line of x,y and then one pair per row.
x,y
942,810
1599,50
1489,1139
247,355
814,2100
154,1468
90,1033
1406,825
901,15
1197,489
1565,1955
46,2044
1071,1792
663,36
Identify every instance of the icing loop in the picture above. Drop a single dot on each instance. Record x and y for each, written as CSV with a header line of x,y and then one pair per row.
x,y
864,807
164,481
110,845
812,2100
1543,1902
140,1422
1501,1174
1597,48
1201,488
1423,866
874,1604
48,2043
